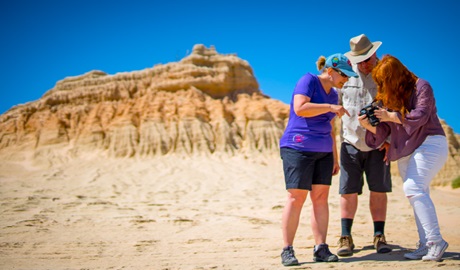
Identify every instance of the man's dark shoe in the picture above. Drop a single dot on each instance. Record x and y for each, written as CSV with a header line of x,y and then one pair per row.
x,y
323,254
380,244
288,257
346,246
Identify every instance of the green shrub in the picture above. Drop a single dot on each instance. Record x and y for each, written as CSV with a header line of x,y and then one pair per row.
x,y
456,183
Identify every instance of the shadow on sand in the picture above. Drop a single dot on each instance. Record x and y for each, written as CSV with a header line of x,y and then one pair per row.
x,y
396,255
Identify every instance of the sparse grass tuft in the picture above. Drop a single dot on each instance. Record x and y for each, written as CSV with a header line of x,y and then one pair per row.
x,y
456,183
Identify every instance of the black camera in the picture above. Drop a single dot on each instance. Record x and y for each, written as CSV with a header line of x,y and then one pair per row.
x,y
369,112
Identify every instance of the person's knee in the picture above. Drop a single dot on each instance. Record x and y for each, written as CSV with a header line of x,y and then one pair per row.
x,y
320,198
378,199
319,194
349,196
378,195
411,189
296,198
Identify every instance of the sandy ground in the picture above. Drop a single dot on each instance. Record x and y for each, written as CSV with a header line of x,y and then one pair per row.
x,y
185,213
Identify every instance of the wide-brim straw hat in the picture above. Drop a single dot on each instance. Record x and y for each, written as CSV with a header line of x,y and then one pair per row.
x,y
361,48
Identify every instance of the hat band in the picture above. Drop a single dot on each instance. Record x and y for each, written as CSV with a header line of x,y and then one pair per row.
x,y
363,51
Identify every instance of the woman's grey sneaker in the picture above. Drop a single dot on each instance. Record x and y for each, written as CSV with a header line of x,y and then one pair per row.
x,y
346,246
323,254
288,257
435,251
417,254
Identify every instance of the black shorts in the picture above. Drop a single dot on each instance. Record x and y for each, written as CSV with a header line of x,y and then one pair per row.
x,y
354,163
304,169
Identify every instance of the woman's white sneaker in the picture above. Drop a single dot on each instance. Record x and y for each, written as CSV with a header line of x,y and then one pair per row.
x,y
435,251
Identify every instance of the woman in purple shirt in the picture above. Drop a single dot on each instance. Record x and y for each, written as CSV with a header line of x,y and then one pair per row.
x,y
309,153
417,141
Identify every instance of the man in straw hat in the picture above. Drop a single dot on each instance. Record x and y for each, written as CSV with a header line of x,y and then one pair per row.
x,y
356,157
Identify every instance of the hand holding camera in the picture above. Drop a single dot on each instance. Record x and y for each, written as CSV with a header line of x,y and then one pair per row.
x,y
369,111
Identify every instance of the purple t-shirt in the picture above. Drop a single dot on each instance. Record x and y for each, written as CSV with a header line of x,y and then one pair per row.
x,y
421,121
310,134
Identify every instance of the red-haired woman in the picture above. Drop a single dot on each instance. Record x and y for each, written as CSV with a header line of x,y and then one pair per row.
x,y
418,142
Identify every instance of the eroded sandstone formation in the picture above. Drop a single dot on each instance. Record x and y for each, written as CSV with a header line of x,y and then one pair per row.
x,y
206,103
451,169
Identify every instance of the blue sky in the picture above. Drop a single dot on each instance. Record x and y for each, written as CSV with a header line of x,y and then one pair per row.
x,y
44,41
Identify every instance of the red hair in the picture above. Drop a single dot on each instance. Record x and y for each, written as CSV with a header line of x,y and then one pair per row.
x,y
395,84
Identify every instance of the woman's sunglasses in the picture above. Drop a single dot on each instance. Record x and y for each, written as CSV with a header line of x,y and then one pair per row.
x,y
340,72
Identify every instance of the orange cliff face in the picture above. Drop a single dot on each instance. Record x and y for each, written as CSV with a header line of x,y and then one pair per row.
x,y
206,103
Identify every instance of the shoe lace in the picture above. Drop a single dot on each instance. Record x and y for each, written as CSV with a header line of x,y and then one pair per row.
x,y
433,249
380,238
323,251
420,248
288,254
344,241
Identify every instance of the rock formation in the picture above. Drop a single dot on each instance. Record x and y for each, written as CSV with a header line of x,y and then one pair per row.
x,y
451,169
207,103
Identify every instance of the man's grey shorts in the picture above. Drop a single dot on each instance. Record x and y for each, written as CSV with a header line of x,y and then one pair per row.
x,y
304,169
354,163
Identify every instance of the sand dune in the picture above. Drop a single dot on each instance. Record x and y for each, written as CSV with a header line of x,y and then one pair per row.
x,y
174,212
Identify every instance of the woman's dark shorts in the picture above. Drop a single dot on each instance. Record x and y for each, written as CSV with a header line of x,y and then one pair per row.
x,y
354,163
304,169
